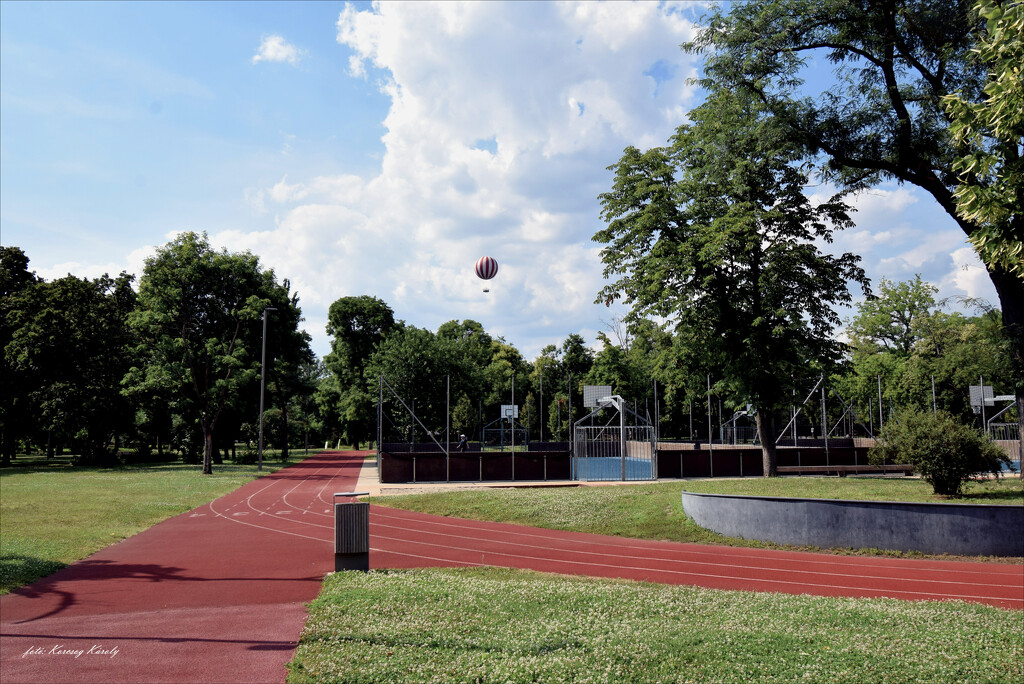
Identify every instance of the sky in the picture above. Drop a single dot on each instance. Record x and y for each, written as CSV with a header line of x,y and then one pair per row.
x,y
372,149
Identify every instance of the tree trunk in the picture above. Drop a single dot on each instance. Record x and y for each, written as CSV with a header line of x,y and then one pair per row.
x,y
766,435
1010,289
1020,432
207,451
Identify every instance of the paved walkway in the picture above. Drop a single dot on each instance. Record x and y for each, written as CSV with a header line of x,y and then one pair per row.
x,y
218,594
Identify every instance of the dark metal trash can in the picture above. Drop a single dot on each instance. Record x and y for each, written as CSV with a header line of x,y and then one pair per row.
x,y
352,534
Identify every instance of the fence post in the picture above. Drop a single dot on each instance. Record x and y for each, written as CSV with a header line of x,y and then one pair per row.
x,y
622,437
824,418
711,436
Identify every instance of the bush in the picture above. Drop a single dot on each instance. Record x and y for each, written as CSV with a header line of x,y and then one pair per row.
x,y
943,451
247,455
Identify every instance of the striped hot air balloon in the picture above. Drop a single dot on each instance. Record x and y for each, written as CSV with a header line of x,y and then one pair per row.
x,y
486,268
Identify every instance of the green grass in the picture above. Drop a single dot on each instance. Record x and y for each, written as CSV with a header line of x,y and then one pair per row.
x,y
654,511
1005,490
498,625
52,513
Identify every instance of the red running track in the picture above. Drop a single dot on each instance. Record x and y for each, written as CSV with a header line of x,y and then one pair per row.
x,y
217,594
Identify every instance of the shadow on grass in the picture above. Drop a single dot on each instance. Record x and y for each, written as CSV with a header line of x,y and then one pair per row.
x,y
1007,496
28,465
17,571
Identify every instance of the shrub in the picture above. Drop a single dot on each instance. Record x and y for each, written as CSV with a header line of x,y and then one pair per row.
x,y
943,451
247,455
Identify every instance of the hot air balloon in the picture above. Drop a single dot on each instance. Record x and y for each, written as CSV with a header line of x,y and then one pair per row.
x,y
486,268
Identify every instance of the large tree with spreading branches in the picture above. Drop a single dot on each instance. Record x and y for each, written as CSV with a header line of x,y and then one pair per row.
x,y
715,234
924,93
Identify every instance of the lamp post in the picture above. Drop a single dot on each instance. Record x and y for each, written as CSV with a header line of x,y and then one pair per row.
x,y
263,379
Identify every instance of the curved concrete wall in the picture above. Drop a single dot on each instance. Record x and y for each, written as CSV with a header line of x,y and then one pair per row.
x,y
963,529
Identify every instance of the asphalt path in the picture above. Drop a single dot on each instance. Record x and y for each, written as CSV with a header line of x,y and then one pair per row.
x,y
218,594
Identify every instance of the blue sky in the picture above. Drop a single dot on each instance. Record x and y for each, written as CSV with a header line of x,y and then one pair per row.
x,y
369,149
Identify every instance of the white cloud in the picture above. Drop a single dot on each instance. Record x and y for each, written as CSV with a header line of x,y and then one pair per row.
x,y
274,48
878,202
930,246
503,119
969,275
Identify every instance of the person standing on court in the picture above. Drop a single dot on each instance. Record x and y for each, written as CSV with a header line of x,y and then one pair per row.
x,y
462,446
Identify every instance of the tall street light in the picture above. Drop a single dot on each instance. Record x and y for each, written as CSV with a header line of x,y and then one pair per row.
x,y
263,379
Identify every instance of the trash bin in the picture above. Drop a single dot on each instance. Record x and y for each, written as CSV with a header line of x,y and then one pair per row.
x,y
352,533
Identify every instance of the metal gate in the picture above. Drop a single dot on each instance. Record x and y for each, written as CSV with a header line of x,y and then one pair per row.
x,y
623,449
614,453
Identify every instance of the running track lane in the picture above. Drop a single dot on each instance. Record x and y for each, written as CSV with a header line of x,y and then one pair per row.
x,y
216,595
213,595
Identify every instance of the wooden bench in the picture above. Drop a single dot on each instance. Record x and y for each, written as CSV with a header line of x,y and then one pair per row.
x,y
844,470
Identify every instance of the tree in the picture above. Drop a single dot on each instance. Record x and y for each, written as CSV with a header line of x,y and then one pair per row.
x,y
308,376
464,418
903,339
289,357
886,116
561,417
505,364
611,368
417,364
892,321
987,133
575,359
632,365
199,326
473,349
72,343
15,279
359,325
716,235
574,362
957,350
945,452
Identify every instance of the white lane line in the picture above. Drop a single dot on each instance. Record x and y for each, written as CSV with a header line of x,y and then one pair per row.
x,y
730,578
283,499
269,529
661,561
465,525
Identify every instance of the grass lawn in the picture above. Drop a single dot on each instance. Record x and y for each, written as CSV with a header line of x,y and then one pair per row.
x,y
52,513
1005,490
499,625
654,511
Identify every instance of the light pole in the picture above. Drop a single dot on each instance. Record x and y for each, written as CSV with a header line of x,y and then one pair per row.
x,y
263,379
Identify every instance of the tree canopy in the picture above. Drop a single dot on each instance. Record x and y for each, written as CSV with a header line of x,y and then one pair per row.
x,y
988,132
892,321
198,322
73,344
358,326
714,233
15,279
918,89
